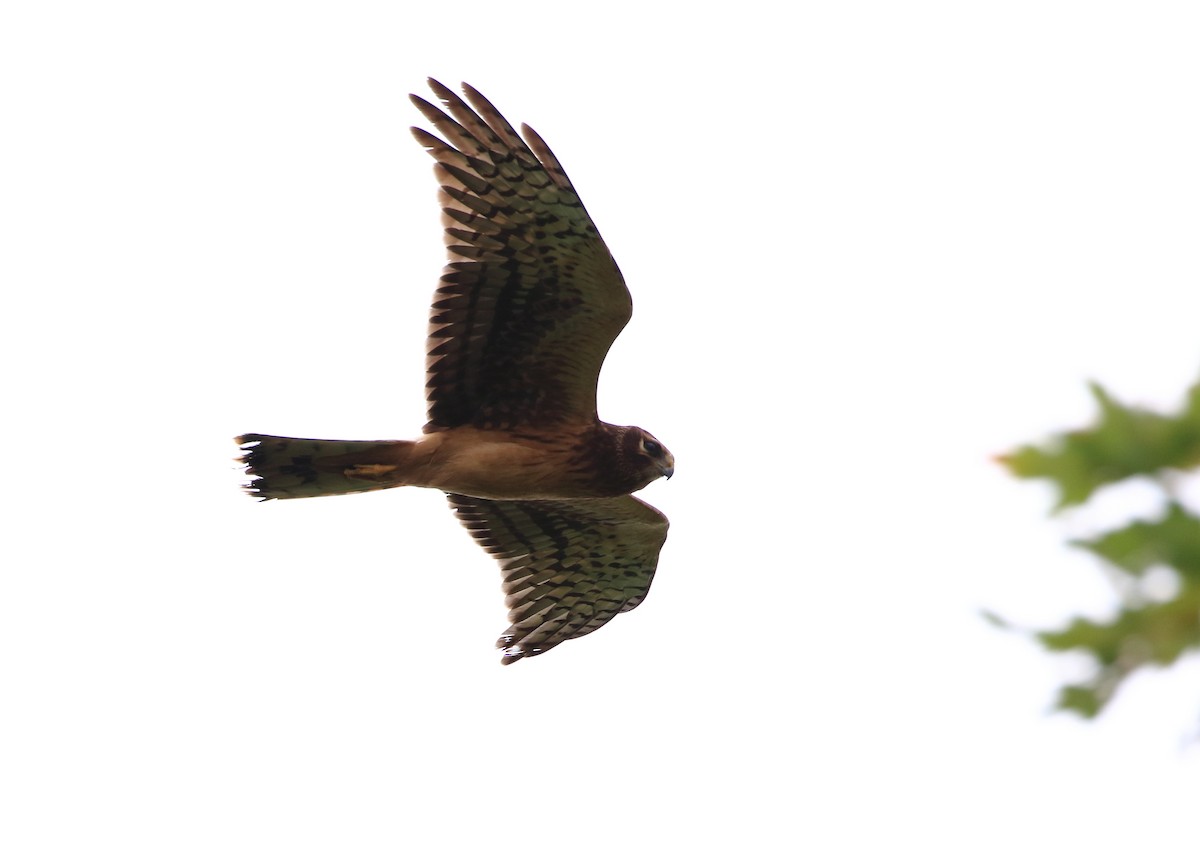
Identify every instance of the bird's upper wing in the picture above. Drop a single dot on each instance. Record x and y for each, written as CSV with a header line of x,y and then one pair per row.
x,y
569,566
531,300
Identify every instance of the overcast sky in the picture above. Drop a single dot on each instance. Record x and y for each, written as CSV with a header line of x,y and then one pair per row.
x,y
870,246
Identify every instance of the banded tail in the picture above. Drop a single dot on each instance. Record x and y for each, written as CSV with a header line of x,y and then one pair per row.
x,y
290,468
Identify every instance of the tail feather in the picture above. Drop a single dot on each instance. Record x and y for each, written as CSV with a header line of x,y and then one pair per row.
x,y
291,468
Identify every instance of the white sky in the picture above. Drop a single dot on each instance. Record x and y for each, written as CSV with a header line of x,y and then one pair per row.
x,y
870,245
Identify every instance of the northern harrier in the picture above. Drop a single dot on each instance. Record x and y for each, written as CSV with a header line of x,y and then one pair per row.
x,y
527,308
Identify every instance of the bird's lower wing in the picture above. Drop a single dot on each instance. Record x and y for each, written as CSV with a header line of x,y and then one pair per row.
x,y
569,566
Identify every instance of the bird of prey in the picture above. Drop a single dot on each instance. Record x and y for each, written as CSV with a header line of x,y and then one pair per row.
x,y
527,308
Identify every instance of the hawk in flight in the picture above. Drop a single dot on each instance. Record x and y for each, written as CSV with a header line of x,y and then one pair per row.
x,y
528,306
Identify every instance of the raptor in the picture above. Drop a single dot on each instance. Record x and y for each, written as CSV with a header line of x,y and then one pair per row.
x,y
524,315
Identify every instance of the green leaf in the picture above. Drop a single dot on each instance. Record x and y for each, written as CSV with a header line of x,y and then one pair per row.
x,y
1126,441
1102,640
1155,633
1146,630
1138,637
1191,413
995,619
1173,541
1082,700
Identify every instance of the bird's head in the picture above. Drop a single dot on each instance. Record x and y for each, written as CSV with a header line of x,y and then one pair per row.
x,y
644,457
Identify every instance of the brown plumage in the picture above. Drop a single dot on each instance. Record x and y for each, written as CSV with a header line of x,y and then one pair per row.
x,y
525,313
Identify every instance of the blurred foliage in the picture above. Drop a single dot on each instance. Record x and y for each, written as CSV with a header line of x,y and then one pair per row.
x,y
1156,562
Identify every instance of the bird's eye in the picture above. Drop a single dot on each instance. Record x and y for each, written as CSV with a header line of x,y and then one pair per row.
x,y
652,448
